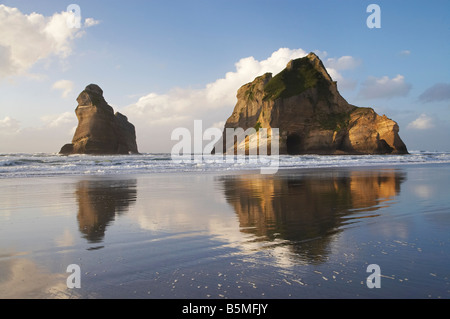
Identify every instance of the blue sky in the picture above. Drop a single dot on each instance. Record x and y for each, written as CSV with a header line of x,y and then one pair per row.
x,y
166,63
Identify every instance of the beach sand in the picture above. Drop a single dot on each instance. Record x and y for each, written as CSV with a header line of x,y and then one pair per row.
x,y
308,233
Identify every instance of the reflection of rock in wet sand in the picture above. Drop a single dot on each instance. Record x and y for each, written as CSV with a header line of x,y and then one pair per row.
x,y
308,209
99,202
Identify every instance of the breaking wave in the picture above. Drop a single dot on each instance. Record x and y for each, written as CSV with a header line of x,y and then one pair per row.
x,y
40,164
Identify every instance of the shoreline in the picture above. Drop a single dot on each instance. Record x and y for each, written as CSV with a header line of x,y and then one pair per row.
x,y
236,171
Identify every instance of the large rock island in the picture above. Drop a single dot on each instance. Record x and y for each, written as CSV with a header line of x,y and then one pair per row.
x,y
303,102
100,131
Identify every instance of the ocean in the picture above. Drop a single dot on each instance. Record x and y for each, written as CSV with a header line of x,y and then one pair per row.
x,y
40,164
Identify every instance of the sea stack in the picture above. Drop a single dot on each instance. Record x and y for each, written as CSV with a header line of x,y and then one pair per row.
x,y
303,102
100,131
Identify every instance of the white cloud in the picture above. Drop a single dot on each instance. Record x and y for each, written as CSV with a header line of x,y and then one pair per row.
x,y
65,86
423,122
224,90
342,82
66,119
335,66
89,22
384,87
343,63
28,38
49,134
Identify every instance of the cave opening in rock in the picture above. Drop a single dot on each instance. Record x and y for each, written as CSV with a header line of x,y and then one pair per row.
x,y
293,144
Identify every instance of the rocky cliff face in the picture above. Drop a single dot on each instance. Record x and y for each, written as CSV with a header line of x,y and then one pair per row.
x,y
303,102
99,130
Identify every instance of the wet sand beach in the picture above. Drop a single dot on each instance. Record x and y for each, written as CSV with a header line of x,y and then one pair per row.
x,y
305,233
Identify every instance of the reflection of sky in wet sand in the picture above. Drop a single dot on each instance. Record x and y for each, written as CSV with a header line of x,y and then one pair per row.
x,y
24,279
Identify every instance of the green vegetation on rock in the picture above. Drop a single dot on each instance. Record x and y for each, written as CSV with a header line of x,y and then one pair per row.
x,y
294,80
250,94
334,121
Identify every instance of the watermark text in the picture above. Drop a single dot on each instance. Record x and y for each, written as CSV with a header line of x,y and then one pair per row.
x,y
253,146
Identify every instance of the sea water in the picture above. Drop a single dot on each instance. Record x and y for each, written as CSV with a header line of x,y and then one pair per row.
x,y
42,164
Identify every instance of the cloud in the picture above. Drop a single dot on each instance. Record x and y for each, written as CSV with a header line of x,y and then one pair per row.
x,y
9,126
65,86
48,135
67,119
405,52
334,67
343,63
28,38
224,90
89,22
384,87
436,93
423,122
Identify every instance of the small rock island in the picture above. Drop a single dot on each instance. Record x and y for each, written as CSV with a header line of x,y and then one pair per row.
x,y
303,102
100,131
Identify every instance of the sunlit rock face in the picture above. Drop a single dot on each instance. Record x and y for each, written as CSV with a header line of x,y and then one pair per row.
x,y
303,102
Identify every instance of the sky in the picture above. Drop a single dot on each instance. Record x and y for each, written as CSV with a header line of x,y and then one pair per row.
x,y
164,64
